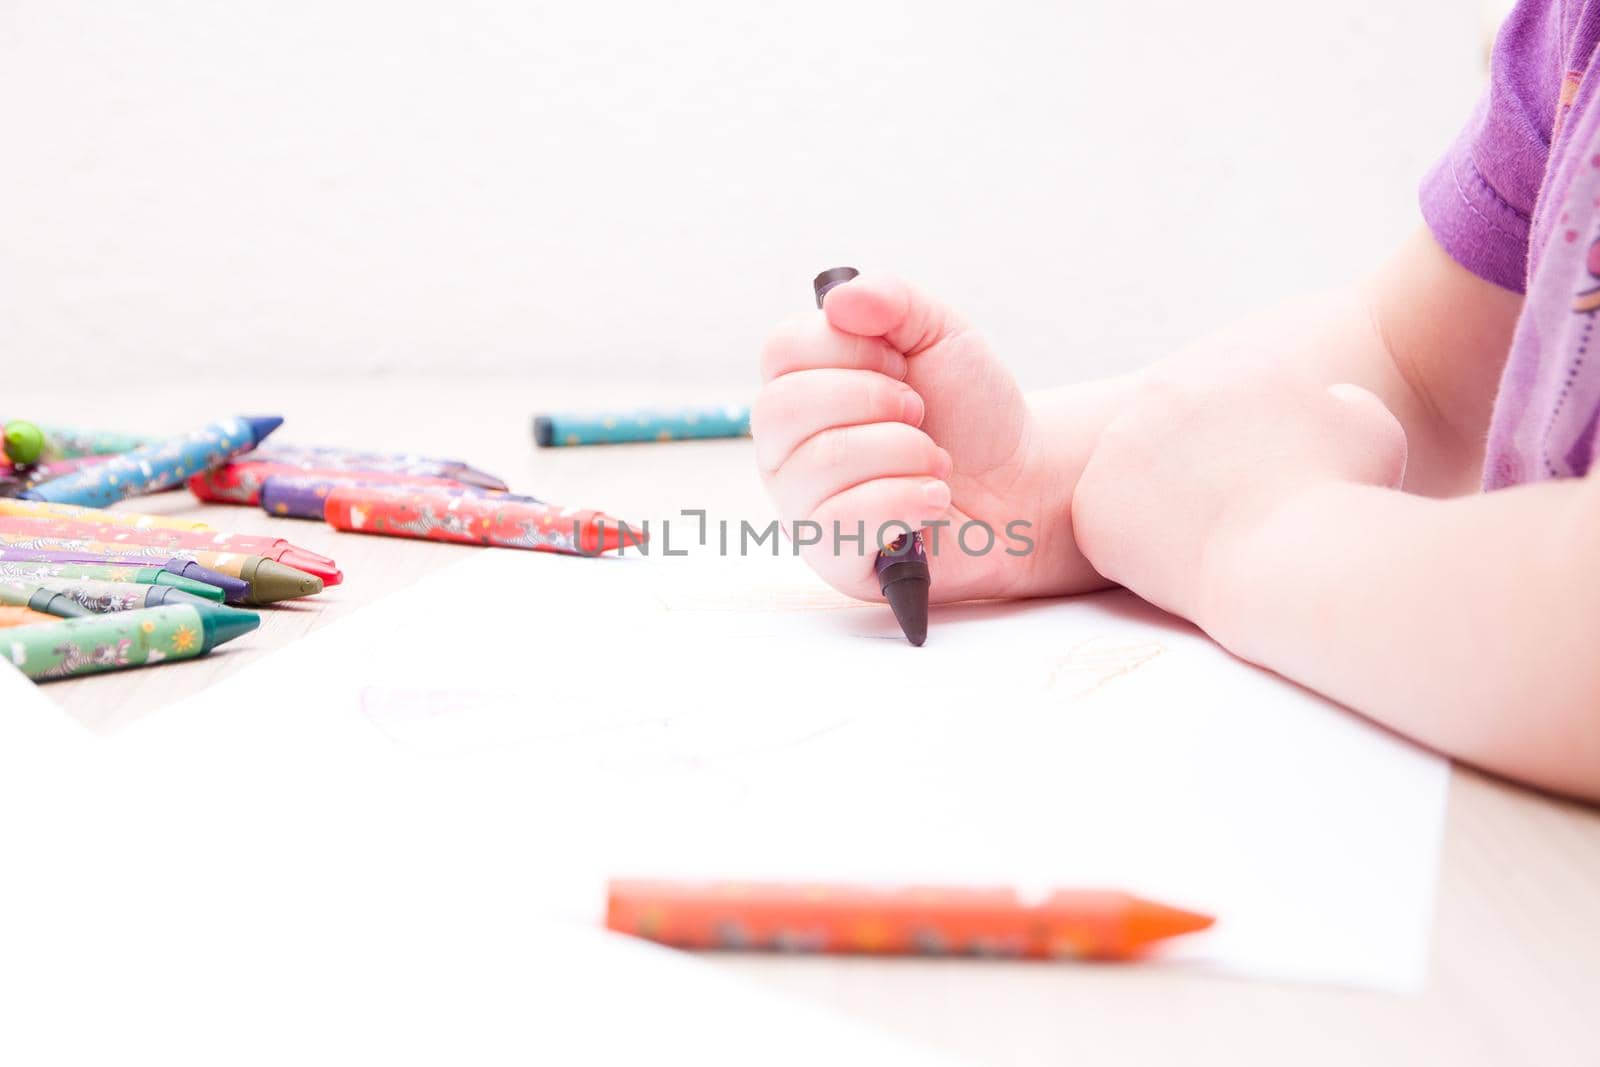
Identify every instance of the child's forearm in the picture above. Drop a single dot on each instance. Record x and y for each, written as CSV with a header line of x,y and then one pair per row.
x,y
1469,624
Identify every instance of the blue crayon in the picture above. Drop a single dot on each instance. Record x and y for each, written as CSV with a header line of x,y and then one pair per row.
x,y
164,465
645,424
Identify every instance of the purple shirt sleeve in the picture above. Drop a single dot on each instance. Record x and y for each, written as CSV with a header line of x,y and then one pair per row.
x,y
1479,198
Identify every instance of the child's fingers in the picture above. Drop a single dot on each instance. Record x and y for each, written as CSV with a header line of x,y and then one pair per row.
x,y
796,406
878,510
886,306
836,459
806,342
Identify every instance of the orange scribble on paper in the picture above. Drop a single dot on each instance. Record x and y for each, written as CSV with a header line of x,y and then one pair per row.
x,y
1091,665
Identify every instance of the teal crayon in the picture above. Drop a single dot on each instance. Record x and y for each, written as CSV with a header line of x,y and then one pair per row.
x,y
41,598
644,424
125,639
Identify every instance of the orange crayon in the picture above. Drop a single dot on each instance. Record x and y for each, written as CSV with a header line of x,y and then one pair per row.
x,y
10,616
1064,924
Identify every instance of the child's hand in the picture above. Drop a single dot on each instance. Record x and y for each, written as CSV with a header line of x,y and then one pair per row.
x,y
1177,482
888,407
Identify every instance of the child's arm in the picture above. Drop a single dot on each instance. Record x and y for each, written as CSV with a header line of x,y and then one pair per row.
x,y
1259,509
1471,625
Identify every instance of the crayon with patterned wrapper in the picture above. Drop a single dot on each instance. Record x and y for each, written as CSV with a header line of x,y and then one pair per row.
x,y
125,639
471,520
902,568
273,548
643,424
1063,924
104,597
240,482
233,589
20,593
44,509
306,496
33,571
267,581
18,481
71,442
10,616
159,466
322,457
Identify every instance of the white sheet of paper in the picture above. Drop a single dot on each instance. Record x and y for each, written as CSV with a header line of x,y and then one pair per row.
x,y
272,950
734,718
195,906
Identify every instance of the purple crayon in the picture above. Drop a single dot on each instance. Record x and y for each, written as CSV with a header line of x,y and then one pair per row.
x,y
902,567
303,496
322,457
233,589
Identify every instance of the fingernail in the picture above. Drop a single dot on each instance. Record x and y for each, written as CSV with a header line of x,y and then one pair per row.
x,y
937,495
946,464
895,366
911,408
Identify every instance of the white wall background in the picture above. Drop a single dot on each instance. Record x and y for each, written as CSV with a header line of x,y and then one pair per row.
x,y
639,189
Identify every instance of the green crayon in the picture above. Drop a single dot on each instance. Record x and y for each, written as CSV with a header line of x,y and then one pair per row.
x,y
30,571
122,640
22,442
105,597
40,597
71,442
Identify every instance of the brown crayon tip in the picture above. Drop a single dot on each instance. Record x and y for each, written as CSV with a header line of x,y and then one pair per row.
x,y
908,599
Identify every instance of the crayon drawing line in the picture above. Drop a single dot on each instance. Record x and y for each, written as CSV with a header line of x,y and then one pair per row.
x,y
1091,665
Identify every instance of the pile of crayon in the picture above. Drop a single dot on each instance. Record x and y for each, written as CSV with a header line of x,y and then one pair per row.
x,y
85,589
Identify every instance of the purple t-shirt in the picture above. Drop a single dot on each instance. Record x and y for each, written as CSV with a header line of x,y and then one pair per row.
x,y
1516,200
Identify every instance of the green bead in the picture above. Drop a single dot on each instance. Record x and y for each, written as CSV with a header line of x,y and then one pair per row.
x,y
24,443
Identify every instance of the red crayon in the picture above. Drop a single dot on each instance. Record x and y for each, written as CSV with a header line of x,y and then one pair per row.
x,y
273,548
1065,924
239,482
470,520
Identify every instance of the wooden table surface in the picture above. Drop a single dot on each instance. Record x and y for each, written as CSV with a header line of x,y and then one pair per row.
x,y
1515,974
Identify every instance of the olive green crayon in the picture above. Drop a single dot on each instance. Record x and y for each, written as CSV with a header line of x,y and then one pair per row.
x,y
271,581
